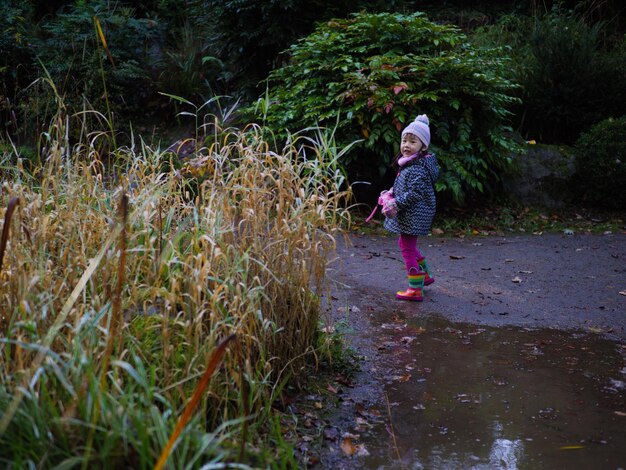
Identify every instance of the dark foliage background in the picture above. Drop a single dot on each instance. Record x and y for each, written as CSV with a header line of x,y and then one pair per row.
x,y
572,73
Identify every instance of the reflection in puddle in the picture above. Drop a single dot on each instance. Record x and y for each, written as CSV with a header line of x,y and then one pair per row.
x,y
505,453
463,396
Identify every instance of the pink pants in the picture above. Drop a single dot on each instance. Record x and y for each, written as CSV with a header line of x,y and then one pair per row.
x,y
410,252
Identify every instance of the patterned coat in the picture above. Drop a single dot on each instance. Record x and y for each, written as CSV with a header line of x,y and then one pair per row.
x,y
414,191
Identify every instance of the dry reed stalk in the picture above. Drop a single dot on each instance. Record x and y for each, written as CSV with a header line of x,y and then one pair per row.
x,y
114,323
116,304
214,361
392,431
5,227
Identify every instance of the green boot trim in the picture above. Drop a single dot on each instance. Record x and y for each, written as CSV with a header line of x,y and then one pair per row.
x,y
429,279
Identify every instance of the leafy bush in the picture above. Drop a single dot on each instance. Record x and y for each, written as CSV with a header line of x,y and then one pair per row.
x,y
601,164
370,75
572,76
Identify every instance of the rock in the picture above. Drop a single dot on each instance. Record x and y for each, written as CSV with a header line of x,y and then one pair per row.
x,y
543,176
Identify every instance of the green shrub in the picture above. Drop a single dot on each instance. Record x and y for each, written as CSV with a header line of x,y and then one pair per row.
x,y
370,75
601,164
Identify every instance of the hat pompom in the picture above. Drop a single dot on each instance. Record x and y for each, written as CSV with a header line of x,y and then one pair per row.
x,y
422,118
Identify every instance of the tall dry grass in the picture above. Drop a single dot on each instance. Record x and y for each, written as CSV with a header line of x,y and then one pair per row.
x,y
234,242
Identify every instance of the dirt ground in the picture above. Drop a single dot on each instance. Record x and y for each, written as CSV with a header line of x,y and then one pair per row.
x,y
516,358
539,281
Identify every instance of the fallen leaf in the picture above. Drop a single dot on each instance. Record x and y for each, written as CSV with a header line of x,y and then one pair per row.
x,y
348,447
526,272
622,292
353,308
508,260
312,459
344,381
457,257
318,405
462,398
437,231
332,389
516,280
572,447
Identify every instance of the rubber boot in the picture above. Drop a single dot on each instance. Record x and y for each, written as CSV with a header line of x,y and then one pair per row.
x,y
428,279
416,285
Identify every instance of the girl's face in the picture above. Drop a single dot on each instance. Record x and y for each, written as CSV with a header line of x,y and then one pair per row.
x,y
410,144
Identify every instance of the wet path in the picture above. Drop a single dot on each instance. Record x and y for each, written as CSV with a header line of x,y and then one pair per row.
x,y
482,397
442,394
460,396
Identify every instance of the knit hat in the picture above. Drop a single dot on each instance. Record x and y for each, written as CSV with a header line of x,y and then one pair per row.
x,y
420,128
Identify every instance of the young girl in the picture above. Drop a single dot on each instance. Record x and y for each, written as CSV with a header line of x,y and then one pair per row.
x,y
410,206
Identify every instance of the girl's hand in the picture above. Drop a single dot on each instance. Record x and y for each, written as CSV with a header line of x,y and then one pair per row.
x,y
390,208
385,196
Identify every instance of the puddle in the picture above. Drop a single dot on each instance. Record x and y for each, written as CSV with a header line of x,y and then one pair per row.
x,y
464,396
